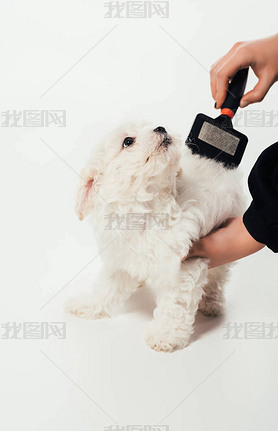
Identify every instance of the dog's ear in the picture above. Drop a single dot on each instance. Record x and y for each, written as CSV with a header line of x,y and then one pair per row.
x,y
84,200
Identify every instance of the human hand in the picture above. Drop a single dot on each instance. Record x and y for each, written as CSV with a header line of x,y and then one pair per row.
x,y
226,244
261,55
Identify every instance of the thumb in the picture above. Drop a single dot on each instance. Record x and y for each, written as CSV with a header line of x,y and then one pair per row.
x,y
258,93
190,254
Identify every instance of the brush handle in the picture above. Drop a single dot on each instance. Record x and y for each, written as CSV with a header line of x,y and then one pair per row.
x,y
236,90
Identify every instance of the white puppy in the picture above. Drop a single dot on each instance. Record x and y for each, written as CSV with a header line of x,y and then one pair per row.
x,y
150,198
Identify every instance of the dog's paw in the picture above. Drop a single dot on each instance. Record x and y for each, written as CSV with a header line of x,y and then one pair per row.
x,y
164,339
84,307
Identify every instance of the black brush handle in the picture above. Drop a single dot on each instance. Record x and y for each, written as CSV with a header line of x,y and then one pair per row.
x,y
236,90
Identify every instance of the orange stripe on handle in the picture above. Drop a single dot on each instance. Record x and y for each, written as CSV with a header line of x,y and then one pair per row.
x,y
228,112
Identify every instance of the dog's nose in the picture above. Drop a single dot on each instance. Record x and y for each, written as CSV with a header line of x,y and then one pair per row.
x,y
160,129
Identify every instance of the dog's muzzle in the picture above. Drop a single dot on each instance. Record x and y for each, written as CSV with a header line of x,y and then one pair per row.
x,y
166,138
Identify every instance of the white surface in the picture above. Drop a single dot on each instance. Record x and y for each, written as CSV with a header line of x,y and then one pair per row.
x,y
136,70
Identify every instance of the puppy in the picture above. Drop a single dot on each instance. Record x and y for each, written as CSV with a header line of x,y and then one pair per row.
x,y
149,199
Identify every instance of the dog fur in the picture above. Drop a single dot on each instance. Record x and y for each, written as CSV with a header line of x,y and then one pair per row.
x,y
173,198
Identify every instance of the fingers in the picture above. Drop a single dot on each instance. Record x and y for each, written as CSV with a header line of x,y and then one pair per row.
x,y
195,251
220,78
215,68
261,55
213,85
190,254
204,246
222,84
224,70
213,77
259,91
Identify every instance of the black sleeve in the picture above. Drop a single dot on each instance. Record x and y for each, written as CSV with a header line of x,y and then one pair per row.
x,y
261,218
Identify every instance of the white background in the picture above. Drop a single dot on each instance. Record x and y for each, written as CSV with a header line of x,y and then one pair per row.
x,y
103,373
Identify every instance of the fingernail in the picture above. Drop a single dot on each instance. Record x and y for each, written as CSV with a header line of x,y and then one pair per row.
x,y
243,103
215,105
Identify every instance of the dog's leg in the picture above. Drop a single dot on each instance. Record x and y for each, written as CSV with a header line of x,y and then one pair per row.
x,y
176,308
109,293
212,302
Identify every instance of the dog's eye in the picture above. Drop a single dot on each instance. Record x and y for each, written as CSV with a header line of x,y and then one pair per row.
x,y
127,142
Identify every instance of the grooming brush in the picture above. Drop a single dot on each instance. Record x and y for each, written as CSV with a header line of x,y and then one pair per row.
x,y
215,138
